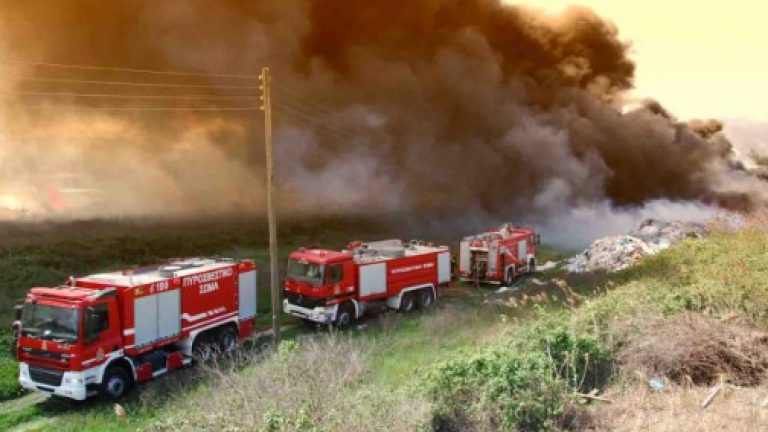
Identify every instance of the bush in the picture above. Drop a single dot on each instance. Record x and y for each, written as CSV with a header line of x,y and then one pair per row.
x,y
525,382
9,369
497,388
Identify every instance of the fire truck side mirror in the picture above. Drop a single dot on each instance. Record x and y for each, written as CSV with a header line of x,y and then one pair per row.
x,y
18,308
538,239
16,329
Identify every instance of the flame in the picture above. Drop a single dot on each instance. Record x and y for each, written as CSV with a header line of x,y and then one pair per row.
x,y
11,202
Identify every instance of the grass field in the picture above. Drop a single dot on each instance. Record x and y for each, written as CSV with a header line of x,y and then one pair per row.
x,y
481,360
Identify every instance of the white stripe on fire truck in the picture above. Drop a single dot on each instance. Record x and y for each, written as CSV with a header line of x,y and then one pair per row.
x,y
103,359
129,332
193,318
211,321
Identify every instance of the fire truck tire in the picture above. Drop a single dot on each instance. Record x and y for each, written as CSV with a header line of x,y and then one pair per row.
x,y
509,280
228,340
407,303
532,265
426,298
115,384
203,347
345,316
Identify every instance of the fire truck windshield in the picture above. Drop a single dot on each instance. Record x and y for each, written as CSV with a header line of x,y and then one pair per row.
x,y
50,322
304,271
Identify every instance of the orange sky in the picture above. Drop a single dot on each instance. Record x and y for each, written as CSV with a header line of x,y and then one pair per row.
x,y
700,58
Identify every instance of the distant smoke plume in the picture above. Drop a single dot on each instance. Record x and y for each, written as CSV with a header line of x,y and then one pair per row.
x,y
576,228
442,108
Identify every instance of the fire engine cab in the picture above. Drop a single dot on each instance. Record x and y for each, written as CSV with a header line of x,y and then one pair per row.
x,y
104,333
498,256
331,287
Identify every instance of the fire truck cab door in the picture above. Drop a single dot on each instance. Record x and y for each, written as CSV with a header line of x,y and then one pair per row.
x,y
339,277
493,257
101,331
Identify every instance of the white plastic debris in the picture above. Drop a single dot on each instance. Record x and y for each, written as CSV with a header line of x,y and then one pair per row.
x,y
549,265
619,252
505,289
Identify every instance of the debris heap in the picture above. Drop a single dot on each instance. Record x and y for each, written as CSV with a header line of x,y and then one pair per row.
x,y
619,252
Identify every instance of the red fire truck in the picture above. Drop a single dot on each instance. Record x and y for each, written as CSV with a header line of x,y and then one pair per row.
x,y
331,287
498,256
103,333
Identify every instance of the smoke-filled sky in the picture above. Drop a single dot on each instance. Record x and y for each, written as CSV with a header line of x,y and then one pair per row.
x,y
447,111
701,57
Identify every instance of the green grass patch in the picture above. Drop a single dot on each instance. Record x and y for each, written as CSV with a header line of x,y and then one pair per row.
x,y
13,419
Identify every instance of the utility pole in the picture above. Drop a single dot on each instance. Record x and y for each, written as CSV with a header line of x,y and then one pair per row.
x,y
266,84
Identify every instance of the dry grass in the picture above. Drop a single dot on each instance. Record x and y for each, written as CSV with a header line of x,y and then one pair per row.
x,y
693,348
678,409
314,385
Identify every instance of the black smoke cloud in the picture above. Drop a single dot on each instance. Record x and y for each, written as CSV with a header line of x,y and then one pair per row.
x,y
438,108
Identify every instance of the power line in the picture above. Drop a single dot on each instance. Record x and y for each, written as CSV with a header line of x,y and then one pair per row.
x,y
52,107
319,130
123,96
297,95
312,107
316,121
327,117
330,117
147,71
326,120
135,84
310,124
308,108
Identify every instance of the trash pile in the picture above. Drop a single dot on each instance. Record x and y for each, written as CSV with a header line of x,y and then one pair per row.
x,y
619,252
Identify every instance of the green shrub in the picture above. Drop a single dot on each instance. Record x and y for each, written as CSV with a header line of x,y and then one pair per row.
x,y
9,369
497,387
525,382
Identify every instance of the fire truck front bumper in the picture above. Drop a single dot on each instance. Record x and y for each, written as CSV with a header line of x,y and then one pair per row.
x,y
322,315
71,386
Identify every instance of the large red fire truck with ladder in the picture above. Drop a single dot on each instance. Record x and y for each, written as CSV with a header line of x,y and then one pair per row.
x,y
498,256
331,287
103,333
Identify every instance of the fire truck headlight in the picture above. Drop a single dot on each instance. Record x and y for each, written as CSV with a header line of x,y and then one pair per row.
x,y
74,381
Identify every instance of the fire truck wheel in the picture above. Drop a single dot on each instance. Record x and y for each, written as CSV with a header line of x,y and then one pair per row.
x,y
407,303
115,384
510,279
203,348
426,298
344,317
228,340
531,265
